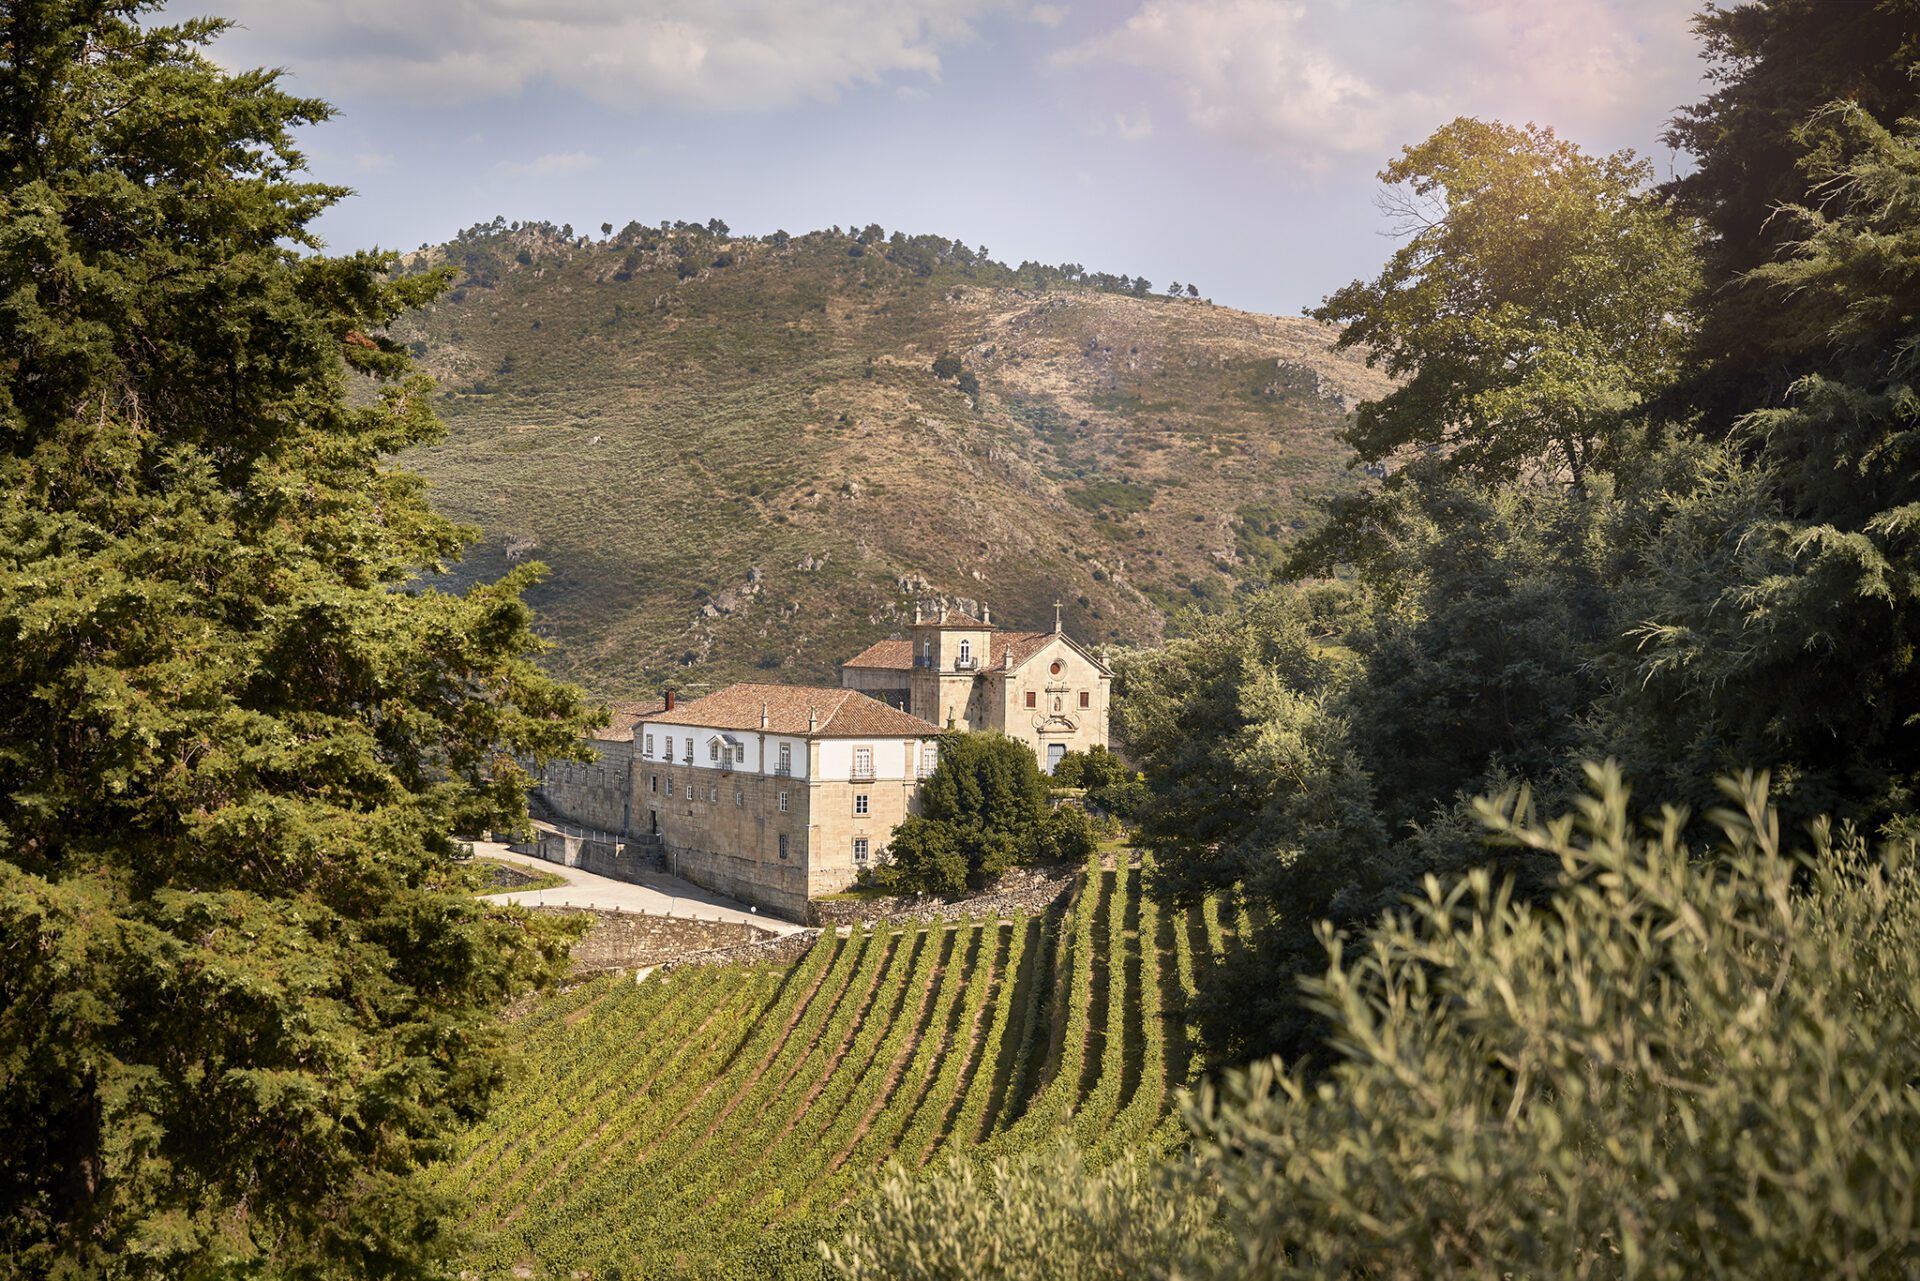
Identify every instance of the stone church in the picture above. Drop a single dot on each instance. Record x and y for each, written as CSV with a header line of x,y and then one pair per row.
x,y
961,672
778,794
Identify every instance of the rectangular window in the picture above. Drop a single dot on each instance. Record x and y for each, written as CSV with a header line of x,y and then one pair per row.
x,y
1033,699
860,803
649,745
786,759
669,787
739,796
860,850
929,759
783,837
653,781
713,750
863,762
783,802
689,749
1086,698
669,747
713,793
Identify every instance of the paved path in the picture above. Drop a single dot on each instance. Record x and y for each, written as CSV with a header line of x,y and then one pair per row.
x,y
657,893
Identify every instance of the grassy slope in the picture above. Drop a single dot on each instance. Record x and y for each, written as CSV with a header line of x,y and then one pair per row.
x,y
753,468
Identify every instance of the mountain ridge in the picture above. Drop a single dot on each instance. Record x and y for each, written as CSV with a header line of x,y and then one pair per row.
x,y
754,454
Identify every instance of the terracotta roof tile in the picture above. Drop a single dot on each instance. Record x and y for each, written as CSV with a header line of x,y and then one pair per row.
x,y
1022,645
626,714
793,709
889,654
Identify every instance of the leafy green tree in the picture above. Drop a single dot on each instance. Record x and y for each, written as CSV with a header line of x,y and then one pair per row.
x,y
1539,296
243,995
1688,1062
1781,596
990,790
923,857
1110,784
982,810
1067,835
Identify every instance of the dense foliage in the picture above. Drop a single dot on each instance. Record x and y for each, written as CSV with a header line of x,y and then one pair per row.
x,y
243,995
1684,1062
1594,530
1112,786
982,810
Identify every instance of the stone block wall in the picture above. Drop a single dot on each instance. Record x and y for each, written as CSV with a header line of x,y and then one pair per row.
x,y
597,796
631,940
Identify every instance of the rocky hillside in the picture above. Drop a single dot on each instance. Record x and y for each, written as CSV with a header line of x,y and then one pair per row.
x,y
753,454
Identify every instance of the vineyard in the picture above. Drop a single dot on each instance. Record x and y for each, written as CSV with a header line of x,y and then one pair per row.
x,y
713,1121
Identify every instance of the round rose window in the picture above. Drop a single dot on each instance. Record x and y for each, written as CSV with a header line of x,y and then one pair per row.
x,y
1055,669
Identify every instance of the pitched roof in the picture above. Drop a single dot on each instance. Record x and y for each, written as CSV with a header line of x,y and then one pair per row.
x,y
626,714
890,654
1022,645
793,709
956,618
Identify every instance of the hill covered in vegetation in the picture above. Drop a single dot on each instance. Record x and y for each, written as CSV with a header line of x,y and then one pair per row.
x,y
754,453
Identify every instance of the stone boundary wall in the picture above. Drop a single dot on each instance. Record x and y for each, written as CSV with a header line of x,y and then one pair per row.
x,y
781,949
1021,891
632,940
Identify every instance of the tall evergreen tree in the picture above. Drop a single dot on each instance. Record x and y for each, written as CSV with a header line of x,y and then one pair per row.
x,y
241,995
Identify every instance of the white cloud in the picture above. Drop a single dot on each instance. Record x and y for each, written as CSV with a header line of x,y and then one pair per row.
x,y
708,54
1137,128
1047,15
1312,81
556,162
374,159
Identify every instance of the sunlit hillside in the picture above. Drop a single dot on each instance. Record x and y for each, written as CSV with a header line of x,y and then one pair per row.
x,y
739,454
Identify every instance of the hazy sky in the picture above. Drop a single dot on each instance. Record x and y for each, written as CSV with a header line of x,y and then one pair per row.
x,y
1232,143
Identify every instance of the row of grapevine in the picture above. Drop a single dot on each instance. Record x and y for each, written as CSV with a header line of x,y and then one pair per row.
x,y
669,1127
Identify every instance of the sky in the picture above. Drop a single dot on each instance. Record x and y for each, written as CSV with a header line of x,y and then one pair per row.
x,y
1233,144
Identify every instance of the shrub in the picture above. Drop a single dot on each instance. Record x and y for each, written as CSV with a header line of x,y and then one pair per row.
x,y
1676,1066
1069,835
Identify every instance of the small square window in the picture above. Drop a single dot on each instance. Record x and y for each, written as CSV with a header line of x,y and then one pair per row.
x,y
860,803
1086,698
1033,699
783,802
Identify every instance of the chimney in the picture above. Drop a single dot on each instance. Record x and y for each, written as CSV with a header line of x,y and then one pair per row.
x,y
986,614
668,695
763,716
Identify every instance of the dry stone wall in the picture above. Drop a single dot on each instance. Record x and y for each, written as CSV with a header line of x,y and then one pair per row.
x,y
1022,891
632,940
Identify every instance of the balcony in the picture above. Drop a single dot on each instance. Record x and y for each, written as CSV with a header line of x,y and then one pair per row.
x,y
783,770
965,664
860,775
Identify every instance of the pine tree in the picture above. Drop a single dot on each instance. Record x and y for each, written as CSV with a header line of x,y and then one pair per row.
x,y
242,994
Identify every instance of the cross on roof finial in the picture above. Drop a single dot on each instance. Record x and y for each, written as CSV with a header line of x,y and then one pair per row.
x,y
1056,615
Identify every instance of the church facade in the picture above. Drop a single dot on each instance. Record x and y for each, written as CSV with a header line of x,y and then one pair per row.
x,y
961,672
